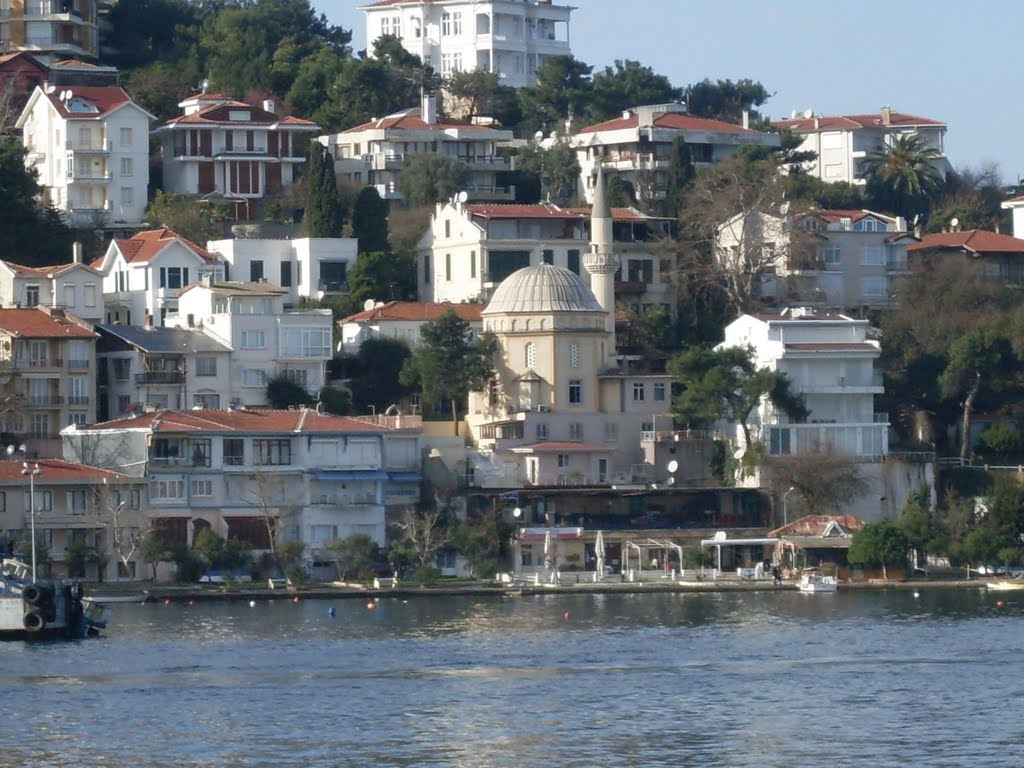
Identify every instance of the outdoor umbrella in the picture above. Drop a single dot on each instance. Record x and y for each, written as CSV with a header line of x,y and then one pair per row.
x,y
599,552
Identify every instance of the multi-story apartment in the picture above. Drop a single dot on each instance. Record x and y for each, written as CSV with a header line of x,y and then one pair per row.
x,y
470,249
231,150
266,339
49,364
90,146
831,362
308,267
76,288
834,259
373,153
841,143
143,274
50,29
86,519
147,367
638,146
401,320
509,37
262,475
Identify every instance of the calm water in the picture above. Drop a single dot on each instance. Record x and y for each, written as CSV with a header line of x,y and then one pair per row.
x,y
759,679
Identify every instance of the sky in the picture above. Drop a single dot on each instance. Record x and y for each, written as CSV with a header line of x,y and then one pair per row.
x,y
944,60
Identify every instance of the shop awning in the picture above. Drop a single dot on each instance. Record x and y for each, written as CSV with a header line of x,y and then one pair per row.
x,y
350,474
404,477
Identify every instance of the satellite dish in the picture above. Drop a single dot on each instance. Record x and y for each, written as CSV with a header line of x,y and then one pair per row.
x,y
672,466
462,197
738,453
368,305
50,89
517,513
808,114
205,84
720,536
670,481
954,222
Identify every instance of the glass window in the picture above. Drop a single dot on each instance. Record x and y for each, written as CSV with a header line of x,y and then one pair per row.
x,y
563,460
638,392
206,365
548,256
31,295
472,263
255,270
873,286
272,452
575,431
575,391
831,255
234,452
201,452
253,340
127,166
659,392
872,256
127,137
574,261
542,431
210,401
167,490
254,377
202,487
127,196
286,274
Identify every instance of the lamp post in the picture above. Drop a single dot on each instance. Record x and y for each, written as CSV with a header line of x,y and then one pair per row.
x,y
785,507
32,470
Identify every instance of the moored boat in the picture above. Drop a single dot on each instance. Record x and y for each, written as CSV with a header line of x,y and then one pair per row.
x,y
43,607
814,581
1006,585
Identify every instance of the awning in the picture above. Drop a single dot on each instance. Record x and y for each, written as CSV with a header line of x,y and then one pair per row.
x,y
350,474
737,542
561,534
404,477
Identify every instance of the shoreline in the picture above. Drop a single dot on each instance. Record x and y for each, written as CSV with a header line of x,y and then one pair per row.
x,y
172,594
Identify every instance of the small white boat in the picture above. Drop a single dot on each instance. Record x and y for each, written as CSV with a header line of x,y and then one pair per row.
x,y
812,582
1006,585
106,599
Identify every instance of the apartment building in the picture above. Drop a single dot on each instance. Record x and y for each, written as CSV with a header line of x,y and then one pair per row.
x,y
90,147
401,321
511,38
50,29
49,363
258,475
266,339
76,288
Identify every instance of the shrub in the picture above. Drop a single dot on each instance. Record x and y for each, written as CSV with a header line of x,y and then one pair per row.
x,y
1001,440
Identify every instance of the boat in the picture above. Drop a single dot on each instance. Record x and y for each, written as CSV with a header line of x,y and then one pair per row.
x,y
44,608
140,597
814,581
1006,585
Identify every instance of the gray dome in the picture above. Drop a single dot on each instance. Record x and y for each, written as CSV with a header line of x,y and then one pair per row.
x,y
542,288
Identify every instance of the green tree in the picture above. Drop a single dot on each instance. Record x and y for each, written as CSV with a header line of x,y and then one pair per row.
x,y
619,192
982,546
628,84
978,359
974,198
904,178
1001,440
557,168
725,99
198,222
208,549
353,554
29,234
283,393
680,174
1005,508
563,90
370,221
880,544
374,373
476,90
152,549
150,30
918,524
450,363
725,385
383,276
428,179
484,543
324,213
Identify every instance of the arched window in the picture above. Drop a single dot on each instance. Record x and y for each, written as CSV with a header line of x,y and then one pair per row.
x,y
531,355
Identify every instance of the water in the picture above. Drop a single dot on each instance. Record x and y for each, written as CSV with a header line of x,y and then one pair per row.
x,y
732,679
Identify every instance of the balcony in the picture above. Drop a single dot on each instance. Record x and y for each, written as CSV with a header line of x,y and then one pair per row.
x,y
81,364
485,162
78,399
490,192
160,377
87,148
43,401
385,161
25,363
344,500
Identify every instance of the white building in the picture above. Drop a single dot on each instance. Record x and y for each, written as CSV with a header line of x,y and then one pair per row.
x,y
141,367
830,361
470,249
637,146
373,153
90,146
76,287
509,37
231,150
144,273
266,340
308,267
303,475
49,29
401,320
832,259
841,143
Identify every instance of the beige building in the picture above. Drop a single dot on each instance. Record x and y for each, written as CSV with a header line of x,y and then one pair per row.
x,y
76,287
47,370
50,29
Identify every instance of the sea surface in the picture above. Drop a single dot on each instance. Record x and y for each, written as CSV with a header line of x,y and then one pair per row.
x,y
861,678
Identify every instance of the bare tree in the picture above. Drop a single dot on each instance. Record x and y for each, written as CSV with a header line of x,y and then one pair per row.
x,y
822,479
9,108
268,493
425,532
125,525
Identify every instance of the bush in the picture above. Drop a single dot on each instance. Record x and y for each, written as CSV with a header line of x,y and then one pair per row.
x,y
1001,440
426,574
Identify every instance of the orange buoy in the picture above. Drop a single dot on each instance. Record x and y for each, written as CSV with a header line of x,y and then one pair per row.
x,y
371,606
295,599
1000,603
167,601
565,615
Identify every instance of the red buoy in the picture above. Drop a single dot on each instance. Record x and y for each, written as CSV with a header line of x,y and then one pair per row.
x,y
1000,603
167,601
371,606
565,615
295,599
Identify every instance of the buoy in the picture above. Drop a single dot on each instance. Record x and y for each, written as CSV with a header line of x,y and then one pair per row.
x,y
252,603
191,602
330,611
167,601
371,606
295,599
565,615
1000,603
916,593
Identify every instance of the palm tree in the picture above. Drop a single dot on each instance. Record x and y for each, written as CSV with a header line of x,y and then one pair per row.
x,y
905,178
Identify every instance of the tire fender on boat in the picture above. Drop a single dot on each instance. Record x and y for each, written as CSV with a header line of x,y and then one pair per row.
x,y
32,594
34,621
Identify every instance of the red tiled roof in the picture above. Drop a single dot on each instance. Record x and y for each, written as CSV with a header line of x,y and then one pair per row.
x,y
625,214
518,211
837,214
853,122
47,272
416,311
143,246
679,121
974,241
220,114
1019,199
852,346
58,470
36,324
404,121
22,56
105,98
556,447
257,420
815,525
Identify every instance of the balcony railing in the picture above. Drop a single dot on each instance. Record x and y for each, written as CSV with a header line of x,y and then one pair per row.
x,y
50,362
160,377
78,399
75,363
43,401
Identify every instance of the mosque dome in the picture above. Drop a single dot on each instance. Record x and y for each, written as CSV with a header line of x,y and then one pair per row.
x,y
542,288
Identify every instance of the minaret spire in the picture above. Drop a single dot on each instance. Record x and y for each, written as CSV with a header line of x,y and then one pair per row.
x,y
601,262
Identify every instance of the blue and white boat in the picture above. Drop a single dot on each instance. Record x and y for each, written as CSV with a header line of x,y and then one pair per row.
x,y
44,608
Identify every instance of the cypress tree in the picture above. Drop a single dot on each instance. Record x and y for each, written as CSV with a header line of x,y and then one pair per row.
x,y
680,173
324,211
370,221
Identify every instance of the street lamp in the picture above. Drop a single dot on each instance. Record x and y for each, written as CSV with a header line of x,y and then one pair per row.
x,y
32,470
785,507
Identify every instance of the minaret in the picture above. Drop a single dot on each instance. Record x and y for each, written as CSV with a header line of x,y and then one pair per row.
x,y
601,262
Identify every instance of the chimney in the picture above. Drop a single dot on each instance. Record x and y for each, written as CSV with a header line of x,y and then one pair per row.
x,y
191,320
817,123
886,113
76,252
269,105
149,323
207,279
428,110
746,119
